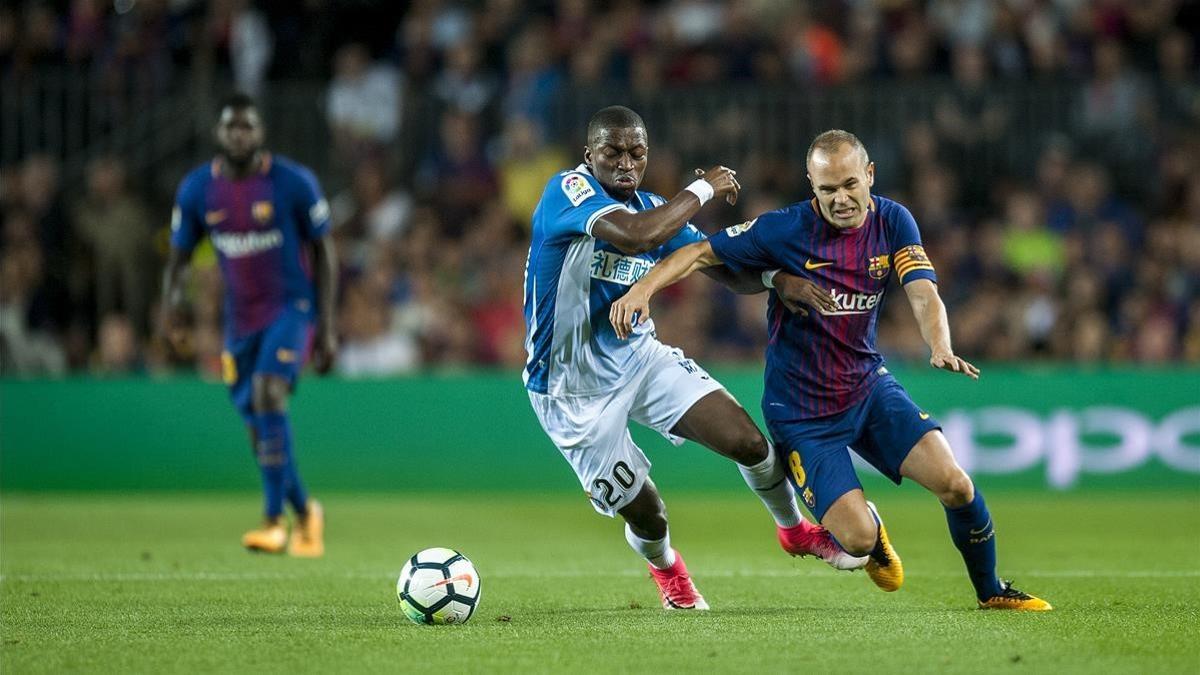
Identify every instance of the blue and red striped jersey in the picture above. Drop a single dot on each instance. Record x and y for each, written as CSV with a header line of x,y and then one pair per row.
x,y
257,225
822,364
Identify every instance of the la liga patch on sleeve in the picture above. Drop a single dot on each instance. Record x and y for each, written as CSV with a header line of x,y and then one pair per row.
x,y
576,188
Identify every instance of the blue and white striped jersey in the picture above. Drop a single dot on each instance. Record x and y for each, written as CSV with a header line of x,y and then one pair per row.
x,y
571,280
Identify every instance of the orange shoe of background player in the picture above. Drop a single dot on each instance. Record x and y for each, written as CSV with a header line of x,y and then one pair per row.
x,y
308,536
270,538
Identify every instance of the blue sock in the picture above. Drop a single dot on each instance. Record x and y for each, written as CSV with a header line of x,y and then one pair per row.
x,y
973,533
275,462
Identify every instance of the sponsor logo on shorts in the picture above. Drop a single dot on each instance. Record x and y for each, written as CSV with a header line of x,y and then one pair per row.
x,y
810,265
214,217
923,415
285,355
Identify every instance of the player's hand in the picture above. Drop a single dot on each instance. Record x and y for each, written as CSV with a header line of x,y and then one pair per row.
x,y
172,327
628,311
795,292
724,182
946,360
324,350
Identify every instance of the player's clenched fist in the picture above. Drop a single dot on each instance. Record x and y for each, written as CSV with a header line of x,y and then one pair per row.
x,y
628,311
723,181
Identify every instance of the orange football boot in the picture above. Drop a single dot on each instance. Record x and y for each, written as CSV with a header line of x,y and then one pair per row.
x,y
270,538
308,537
1011,598
884,566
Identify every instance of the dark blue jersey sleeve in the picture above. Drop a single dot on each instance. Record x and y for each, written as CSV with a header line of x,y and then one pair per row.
x,y
187,224
748,245
908,255
312,211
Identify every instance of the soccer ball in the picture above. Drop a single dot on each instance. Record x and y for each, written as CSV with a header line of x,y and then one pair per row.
x,y
438,585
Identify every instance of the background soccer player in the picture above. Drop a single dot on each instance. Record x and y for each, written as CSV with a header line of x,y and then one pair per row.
x,y
826,385
595,234
268,222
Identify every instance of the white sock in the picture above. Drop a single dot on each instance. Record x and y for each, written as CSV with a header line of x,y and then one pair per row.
x,y
772,487
657,552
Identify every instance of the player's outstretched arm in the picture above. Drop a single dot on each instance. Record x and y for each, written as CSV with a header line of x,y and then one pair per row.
x,y
634,307
634,233
930,312
325,347
171,319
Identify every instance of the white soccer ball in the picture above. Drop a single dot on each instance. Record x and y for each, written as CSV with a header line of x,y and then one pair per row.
x,y
438,585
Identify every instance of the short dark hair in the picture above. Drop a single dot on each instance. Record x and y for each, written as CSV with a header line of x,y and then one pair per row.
x,y
613,117
833,139
238,101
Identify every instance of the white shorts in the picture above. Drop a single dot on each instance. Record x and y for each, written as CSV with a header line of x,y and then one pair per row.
x,y
592,432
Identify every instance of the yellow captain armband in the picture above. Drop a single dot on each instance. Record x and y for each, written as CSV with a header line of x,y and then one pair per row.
x,y
911,259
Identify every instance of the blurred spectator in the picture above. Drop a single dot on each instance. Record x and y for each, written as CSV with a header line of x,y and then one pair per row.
x,y
1030,248
370,214
117,348
116,228
24,350
533,77
525,164
251,47
457,176
364,103
464,84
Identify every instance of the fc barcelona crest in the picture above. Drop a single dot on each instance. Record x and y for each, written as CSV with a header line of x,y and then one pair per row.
x,y
879,266
262,211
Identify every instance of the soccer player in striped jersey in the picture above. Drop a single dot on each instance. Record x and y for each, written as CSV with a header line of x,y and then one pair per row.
x,y
595,234
827,388
269,224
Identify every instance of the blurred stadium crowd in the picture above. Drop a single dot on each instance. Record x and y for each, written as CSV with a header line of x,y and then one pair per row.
x,y
1087,251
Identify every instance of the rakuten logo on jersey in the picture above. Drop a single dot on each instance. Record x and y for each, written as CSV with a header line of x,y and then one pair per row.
x,y
854,303
242,244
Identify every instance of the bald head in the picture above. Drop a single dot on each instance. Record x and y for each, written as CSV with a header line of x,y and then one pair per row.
x,y
829,142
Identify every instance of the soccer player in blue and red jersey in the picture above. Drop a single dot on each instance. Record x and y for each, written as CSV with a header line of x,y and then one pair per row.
x,y
827,388
268,222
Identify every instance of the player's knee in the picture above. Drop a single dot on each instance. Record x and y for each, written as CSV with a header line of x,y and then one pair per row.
x,y
749,448
958,490
270,394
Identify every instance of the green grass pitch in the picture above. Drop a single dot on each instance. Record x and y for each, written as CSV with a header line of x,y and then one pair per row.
x,y
157,583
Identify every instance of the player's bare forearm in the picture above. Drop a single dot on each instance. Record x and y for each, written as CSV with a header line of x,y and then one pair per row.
x,y
634,233
325,258
634,307
676,267
930,312
171,310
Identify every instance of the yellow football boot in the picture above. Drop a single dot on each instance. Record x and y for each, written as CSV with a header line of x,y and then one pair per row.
x,y
1011,598
308,537
270,538
884,567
